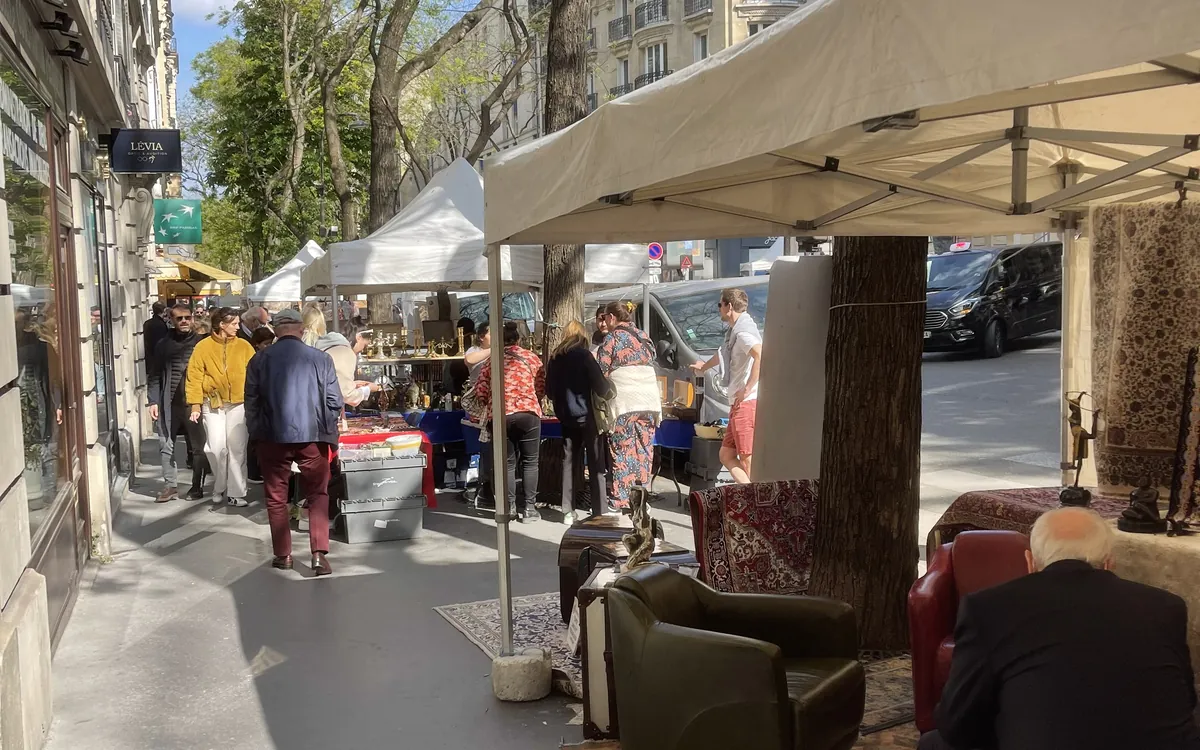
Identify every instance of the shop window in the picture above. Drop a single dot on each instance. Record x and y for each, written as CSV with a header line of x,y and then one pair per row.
x,y
39,322
62,161
99,301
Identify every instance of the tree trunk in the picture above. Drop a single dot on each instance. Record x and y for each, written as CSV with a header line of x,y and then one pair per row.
x,y
566,103
865,547
379,308
386,169
339,172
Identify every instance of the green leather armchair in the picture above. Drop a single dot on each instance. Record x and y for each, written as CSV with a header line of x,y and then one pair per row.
x,y
695,669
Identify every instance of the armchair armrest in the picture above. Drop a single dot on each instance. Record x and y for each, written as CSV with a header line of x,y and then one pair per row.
x,y
932,609
735,694
802,626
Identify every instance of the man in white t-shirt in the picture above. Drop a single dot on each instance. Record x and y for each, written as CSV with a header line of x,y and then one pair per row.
x,y
742,354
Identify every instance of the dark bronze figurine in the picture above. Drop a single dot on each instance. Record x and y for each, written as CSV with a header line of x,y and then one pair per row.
x,y
1142,516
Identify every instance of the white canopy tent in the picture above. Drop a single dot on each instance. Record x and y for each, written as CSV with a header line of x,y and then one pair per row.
x,y
859,117
436,241
284,284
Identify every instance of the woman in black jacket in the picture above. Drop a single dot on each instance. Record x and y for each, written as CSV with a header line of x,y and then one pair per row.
x,y
573,379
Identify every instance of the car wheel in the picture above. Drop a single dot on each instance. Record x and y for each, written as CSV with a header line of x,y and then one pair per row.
x,y
993,340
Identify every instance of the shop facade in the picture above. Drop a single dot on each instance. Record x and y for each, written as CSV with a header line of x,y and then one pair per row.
x,y
73,295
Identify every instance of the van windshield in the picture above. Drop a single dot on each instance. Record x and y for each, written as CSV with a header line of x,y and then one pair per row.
x,y
954,270
517,306
697,319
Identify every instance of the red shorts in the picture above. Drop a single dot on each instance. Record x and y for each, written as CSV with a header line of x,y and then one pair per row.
x,y
740,433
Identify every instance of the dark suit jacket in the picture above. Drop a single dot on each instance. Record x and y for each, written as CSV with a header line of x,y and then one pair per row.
x,y
1071,658
292,394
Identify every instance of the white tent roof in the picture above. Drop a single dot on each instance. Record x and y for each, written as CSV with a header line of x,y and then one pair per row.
x,y
284,284
437,241
866,117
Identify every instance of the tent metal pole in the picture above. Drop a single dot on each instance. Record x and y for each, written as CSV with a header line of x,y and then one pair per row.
x,y
333,290
1066,364
1020,157
500,448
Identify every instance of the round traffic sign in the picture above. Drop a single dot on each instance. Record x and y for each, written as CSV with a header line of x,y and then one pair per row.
x,y
655,251
685,261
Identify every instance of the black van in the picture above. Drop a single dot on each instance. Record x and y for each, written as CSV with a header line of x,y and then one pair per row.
x,y
980,299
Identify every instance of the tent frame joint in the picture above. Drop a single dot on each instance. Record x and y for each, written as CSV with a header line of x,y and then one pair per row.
x,y
832,163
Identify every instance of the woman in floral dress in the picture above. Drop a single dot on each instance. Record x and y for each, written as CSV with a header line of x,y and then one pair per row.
x,y
627,358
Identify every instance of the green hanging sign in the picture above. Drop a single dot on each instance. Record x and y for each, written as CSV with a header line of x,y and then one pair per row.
x,y
177,221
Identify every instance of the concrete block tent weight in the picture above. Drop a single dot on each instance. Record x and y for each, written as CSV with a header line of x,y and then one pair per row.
x,y
856,117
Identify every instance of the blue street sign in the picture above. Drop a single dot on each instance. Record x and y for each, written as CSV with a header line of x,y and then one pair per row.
x,y
655,251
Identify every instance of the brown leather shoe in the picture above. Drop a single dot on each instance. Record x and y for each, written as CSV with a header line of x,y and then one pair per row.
x,y
320,565
167,495
283,563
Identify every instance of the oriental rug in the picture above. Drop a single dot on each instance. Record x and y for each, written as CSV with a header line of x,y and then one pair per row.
x,y
537,623
1145,318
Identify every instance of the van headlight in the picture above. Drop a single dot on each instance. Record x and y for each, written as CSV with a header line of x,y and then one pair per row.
x,y
959,309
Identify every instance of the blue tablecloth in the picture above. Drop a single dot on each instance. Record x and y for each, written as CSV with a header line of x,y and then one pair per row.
x,y
441,426
675,434
551,428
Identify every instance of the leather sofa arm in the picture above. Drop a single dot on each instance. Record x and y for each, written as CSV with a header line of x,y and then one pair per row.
x,y
802,626
733,690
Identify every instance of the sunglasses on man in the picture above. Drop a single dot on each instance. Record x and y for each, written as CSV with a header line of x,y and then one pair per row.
x,y
178,318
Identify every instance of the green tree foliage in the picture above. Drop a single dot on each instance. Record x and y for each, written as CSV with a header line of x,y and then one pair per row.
x,y
255,130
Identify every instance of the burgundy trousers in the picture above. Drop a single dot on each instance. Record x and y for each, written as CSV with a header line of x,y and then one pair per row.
x,y
275,460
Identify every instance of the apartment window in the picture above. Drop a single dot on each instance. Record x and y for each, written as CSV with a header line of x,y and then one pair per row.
x,y
656,58
701,47
757,27
625,79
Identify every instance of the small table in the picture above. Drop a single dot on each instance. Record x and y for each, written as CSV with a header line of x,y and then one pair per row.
x,y
597,541
672,435
1007,510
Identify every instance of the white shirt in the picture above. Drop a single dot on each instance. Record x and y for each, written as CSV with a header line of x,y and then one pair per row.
x,y
475,368
744,340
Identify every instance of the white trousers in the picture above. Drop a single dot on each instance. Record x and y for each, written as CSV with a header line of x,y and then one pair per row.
x,y
225,438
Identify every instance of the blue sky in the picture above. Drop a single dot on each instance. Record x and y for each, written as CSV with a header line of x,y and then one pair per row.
x,y
194,33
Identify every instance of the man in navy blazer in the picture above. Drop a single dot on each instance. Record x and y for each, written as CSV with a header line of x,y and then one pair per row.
x,y
1070,657
293,403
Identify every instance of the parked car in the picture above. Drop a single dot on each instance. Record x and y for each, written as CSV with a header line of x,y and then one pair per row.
x,y
686,327
981,299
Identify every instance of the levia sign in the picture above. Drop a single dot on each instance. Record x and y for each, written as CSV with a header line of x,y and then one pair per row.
x,y
138,151
177,221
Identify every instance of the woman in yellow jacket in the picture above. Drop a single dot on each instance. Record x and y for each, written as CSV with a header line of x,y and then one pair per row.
x,y
216,386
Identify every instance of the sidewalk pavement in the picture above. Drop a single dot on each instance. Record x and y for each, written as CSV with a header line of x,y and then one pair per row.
x,y
189,640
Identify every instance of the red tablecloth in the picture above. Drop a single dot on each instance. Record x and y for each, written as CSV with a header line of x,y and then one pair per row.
x,y
426,447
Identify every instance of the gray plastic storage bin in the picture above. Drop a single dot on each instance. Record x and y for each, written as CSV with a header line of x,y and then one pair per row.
x,y
382,499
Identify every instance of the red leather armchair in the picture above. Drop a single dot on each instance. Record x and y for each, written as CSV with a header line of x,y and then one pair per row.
x,y
975,560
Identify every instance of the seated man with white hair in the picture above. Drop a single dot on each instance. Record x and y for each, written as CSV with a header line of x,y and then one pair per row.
x,y
1070,657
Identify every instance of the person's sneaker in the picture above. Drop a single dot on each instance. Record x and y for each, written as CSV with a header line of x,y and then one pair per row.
x,y
167,495
196,493
529,515
238,502
568,518
252,480
218,498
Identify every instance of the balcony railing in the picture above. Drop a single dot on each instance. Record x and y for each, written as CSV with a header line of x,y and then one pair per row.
x,y
654,11
619,29
621,90
694,7
645,79
592,102
591,39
